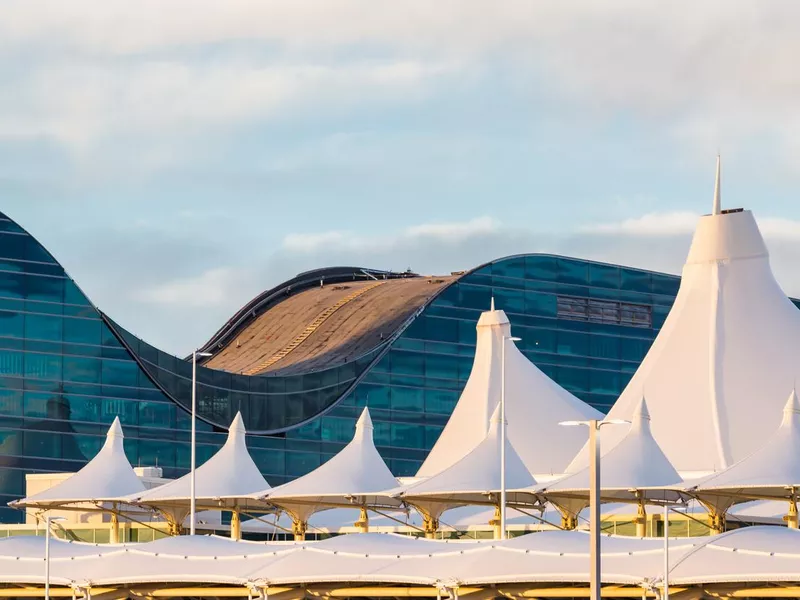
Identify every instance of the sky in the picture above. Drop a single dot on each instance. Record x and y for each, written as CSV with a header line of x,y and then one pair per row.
x,y
178,157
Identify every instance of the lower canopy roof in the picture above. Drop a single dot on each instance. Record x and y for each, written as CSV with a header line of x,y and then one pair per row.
x,y
752,555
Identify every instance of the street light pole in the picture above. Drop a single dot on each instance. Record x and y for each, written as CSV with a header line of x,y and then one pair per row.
x,y
193,466
594,499
594,509
665,594
503,426
48,521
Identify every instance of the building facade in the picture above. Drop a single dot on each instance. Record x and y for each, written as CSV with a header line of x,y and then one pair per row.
x,y
66,369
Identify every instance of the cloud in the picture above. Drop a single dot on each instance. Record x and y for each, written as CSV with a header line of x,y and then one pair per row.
x,y
715,80
444,233
313,242
684,223
669,223
85,104
212,288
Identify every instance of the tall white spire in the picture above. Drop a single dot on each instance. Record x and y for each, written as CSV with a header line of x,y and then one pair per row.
x,y
717,208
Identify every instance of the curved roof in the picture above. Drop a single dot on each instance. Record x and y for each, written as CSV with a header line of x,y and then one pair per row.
x,y
324,325
301,281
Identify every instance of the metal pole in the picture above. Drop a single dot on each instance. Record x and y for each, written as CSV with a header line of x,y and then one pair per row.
x,y
503,440
47,558
594,510
665,595
192,515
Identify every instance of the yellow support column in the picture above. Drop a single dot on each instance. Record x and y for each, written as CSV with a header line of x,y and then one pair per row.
x,y
716,521
299,529
236,525
568,521
791,518
114,536
430,525
494,523
641,520
362,525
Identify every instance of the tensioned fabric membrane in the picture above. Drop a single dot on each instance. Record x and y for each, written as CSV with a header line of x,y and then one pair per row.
x,y
109,476
750,555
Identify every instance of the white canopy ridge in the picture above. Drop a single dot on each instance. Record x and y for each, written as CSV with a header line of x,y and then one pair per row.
x,y
475,479
224,481
356,477
634,470
106,477
535,405
771,472
752,557
729,339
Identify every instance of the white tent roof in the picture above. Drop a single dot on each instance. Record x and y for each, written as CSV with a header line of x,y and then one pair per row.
x,y
771,469
107,476
357,476
719,370
635,463
477,475
534,406
749,555
228,475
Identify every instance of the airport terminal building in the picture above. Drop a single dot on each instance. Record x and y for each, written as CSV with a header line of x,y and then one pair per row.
x,y
300,360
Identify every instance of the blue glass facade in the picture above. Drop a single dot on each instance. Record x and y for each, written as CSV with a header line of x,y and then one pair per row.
x,y
66,370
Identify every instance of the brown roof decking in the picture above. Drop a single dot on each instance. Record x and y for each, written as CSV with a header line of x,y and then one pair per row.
x,y
323,326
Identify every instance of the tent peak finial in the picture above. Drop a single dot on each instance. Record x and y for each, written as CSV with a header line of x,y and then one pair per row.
x,y
491,306
364,425
717,207
115,430
237,425
792,404
641,412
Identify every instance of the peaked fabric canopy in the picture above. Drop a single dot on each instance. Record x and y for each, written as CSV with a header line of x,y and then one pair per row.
x,y
772,472
773,468
637,462
475,479
106,477
356,476
717,374
534,406
221,482
634,470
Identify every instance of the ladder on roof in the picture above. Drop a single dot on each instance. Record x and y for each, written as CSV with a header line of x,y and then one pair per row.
x,y
311,328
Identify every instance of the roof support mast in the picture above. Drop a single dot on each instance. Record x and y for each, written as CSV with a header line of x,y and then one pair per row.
x,y
717,208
